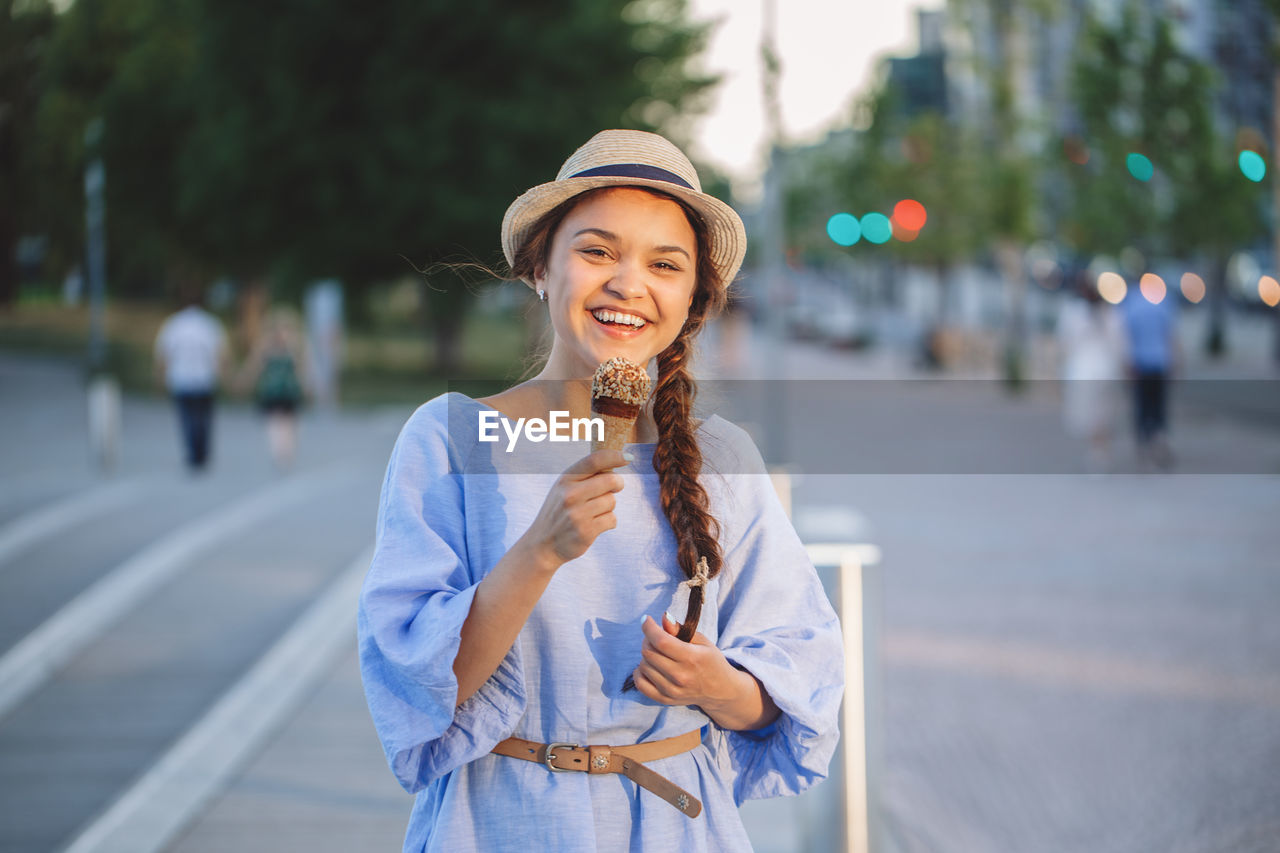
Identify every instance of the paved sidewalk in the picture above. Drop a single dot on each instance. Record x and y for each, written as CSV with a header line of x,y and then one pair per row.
x,y
321,785
1069,662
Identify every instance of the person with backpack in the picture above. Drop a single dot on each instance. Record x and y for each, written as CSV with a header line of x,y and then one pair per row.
x,y
275,371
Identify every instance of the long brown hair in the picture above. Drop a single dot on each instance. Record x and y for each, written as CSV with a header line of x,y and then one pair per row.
x,y
677,458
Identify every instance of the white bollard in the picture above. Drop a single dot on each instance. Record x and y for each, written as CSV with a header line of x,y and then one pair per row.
x,y
104,421
843,818
853,561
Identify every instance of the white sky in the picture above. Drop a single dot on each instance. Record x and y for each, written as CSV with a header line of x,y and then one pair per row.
x,y
829,51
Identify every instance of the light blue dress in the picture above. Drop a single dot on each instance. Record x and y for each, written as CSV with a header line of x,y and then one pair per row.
x,y
451,507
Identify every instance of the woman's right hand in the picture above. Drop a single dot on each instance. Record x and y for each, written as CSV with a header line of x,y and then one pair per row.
x,y
578,508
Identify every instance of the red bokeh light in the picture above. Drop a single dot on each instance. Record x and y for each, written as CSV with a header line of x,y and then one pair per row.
x,y
903,233
1076,150
910,214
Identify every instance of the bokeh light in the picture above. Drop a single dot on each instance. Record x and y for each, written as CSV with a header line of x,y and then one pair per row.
x,y
1140,166
1075,149
1193,288
1269,290
1153,288
1047,273
1252,138
910,214
1042,259
843,228
917,150
1252,165
1100,264
905,235
876,228
1111,287
1132,261
1243,272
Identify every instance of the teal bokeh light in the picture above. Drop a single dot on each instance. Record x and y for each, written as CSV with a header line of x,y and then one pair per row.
x,y
1253,166
1139,166
843,228
876,228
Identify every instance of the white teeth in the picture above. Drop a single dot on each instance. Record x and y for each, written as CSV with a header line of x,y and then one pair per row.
x,y
616,317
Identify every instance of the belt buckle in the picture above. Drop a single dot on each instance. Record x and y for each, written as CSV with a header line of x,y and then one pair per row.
x,y
551,754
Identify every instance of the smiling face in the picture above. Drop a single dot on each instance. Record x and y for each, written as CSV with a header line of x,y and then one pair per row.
x,y
620,277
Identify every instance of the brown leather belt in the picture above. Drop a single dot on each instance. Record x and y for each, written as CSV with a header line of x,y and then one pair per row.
x,y
627,760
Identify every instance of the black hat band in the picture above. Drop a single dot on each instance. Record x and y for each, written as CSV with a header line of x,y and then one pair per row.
x,y
635,170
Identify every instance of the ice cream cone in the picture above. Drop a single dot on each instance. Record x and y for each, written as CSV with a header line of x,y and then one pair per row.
x,y
617,431
618,390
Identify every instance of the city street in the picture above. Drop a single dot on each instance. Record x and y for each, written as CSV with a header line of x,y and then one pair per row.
x,y
1063,661
993,287
131,606
1068,661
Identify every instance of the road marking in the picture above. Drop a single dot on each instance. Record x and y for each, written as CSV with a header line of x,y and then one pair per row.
x,y
1065,669
27,529
44,651
150,814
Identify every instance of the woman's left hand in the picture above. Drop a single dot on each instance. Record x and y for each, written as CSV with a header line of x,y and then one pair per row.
x,y
674,672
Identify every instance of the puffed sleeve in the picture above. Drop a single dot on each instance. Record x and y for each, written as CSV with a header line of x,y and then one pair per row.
x,y
415,598
776,622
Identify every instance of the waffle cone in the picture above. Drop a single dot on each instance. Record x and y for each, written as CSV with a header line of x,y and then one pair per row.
x,y
617,431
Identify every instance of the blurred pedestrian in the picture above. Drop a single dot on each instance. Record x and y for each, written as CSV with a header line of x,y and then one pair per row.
x,y
509,605
276,371
1154,356
191,356
1091,334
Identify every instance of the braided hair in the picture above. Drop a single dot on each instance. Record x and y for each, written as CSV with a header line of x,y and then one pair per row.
x,y
677,459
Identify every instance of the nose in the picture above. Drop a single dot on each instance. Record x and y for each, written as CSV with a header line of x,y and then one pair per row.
x,y
627,281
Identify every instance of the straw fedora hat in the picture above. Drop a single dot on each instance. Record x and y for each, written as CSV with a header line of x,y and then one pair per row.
x,y
631,158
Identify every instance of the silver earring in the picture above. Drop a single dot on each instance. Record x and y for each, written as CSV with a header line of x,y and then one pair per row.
x,y
542,295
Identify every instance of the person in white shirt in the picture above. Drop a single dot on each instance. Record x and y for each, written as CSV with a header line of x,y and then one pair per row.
x,y
1091,334
190,358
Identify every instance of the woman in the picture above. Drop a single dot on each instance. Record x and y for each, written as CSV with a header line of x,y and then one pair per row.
x,y
274,371
519,588
1093,350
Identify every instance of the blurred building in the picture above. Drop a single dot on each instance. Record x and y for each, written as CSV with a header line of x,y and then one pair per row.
x,y
920,82
1243,32
965,50
1236,37
1034,47
1037,49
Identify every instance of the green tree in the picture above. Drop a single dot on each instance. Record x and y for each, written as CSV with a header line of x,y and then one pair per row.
x,y
320,139
924,157
24,33
333,143
1139,93
128,64
937,168
1012,171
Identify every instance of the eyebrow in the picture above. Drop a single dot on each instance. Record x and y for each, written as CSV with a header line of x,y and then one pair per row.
x,y
672,249
609,235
